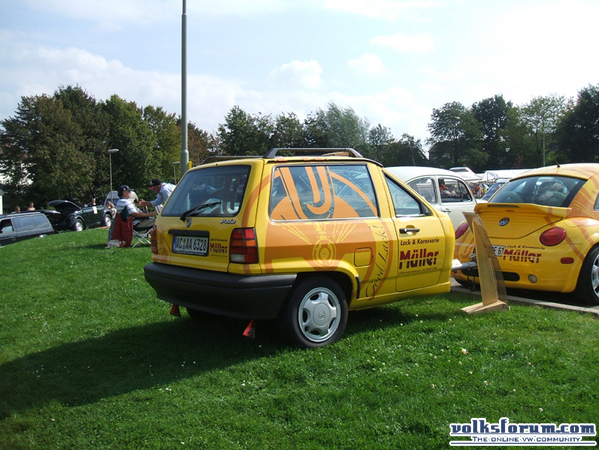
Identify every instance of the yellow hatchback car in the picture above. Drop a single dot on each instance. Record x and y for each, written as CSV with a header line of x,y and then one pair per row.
x,y
300,239
544,229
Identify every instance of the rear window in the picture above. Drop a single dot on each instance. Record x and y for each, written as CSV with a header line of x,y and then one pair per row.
x,y
546,190
213,192
325,191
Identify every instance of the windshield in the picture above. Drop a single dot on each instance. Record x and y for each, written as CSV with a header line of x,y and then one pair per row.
x,y
546,190
210,192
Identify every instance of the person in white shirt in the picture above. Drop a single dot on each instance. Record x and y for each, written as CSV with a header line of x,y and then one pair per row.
x,y
162,191
125,201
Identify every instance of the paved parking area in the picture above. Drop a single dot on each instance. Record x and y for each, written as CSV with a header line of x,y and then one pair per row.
x,y
545,299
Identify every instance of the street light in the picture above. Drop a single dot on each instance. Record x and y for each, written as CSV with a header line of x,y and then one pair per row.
x,y
110,152
174,172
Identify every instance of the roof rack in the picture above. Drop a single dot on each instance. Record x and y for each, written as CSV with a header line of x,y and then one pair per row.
x,y
273,153
226,158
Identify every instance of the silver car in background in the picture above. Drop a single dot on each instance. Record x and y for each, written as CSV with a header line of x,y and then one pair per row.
x,y
445,190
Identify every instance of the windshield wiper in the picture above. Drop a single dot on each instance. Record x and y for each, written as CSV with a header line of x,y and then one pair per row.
x,y
196,210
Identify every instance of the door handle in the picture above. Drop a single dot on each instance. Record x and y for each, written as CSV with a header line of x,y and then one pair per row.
x,y
409,230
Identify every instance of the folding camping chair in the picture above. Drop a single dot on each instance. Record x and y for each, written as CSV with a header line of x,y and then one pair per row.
x,y
142,230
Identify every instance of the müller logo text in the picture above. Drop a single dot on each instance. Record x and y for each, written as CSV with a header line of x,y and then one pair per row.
x,y
504,433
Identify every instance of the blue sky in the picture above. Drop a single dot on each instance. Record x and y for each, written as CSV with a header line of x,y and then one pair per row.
x,y
391,61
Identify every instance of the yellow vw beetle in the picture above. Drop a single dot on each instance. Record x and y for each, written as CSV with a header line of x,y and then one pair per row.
x,y
544,229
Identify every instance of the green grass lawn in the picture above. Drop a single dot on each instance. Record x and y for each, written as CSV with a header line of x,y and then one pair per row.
x,y
91,359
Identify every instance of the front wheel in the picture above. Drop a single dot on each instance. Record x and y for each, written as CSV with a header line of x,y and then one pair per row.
x,y
588,279
78,225
107,220
315,314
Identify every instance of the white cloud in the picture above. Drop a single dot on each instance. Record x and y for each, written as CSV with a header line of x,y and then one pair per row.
x,y
299,73
403,43
368,63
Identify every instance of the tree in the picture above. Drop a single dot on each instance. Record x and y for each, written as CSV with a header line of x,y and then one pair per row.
x,y
579,128
542,115
455,137
136,160
167,135
201,144
245,134
43,151
492,114
379,140
337,128
287,131
406,151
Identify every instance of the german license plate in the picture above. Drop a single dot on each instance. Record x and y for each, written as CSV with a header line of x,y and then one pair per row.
x,y
498,250
190,245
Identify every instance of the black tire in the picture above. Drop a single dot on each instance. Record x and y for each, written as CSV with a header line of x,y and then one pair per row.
x,y
78,225
315,313
107,220
587,288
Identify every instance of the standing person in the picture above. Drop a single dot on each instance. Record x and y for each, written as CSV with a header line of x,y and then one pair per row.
x,y
31,207
162,191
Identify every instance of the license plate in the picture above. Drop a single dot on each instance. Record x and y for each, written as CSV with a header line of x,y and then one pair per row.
x,y
190,245
498,250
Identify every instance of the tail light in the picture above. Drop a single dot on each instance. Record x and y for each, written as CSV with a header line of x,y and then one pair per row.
x,y
552,236
154,240
243,248
461,230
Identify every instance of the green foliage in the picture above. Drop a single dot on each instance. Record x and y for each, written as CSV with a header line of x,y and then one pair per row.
x,y
492,115
56,146
579,128
541,115
455,137
244,134
89,358
404,152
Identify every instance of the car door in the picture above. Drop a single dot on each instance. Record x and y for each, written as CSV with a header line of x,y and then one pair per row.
x,y
421,238
447,194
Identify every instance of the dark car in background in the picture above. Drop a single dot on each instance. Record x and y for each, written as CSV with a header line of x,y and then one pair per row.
x,y
20,226
69,216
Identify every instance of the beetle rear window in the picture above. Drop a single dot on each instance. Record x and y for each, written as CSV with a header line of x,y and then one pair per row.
x,y
546,190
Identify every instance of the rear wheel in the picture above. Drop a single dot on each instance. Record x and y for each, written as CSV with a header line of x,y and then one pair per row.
x,y
588,279
315,313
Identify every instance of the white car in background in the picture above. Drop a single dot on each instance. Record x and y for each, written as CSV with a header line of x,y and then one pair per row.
x,y
445,190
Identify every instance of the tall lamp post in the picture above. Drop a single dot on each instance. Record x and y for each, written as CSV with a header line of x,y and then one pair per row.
x,y
110,152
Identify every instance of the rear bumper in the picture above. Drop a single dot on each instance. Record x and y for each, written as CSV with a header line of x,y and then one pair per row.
x,y
233,295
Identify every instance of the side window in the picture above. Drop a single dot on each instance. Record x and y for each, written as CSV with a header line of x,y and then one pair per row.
x,y
24,223
322,192
404,203
453,191
6,226
426,188
41,222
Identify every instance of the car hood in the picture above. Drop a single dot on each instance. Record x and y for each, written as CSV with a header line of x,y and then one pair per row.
x,y
62,205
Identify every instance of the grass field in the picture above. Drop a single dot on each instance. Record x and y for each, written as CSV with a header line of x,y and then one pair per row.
x,y
90,359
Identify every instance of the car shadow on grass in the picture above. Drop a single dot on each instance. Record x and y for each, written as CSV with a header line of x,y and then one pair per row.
x,y
157,354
